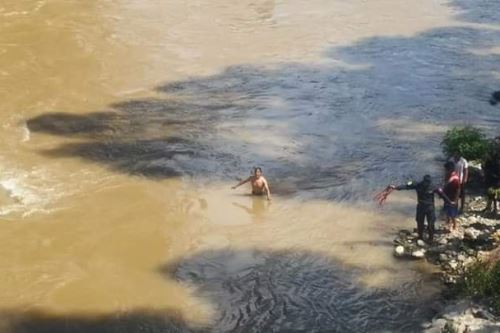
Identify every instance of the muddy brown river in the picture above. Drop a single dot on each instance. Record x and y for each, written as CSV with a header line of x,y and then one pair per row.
x,y
125,123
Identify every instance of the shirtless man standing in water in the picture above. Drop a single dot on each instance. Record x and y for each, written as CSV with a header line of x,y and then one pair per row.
x,y
259,183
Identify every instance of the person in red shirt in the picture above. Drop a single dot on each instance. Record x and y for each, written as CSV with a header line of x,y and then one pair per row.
x,y
452,191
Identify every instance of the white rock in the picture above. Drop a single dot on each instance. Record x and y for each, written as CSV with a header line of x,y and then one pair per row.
x,y
453,264
443,241
482,254
399,250
420,243
418,254
461,257
469,261
471,233
426,325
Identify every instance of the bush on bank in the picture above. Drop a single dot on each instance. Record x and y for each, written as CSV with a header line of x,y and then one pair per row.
x,y
482,280
468,142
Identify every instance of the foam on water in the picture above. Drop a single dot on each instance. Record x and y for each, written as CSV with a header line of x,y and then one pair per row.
x,y
35,7
26,134
30,191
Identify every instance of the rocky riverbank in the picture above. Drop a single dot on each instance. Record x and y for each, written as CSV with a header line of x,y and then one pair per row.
x,y
463,316
455,252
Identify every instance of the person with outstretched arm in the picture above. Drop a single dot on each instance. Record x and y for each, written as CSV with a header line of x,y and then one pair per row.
x,y
258,182
425,202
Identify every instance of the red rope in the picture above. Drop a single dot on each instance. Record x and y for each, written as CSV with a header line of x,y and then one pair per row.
x,y
381,197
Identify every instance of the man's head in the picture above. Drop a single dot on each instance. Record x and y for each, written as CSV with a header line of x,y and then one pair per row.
x,y
449,167
426,182
427,179
257,171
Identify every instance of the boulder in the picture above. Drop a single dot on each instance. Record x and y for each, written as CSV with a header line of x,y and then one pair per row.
x,y
471,233
472,220
399,251
418,254
453,264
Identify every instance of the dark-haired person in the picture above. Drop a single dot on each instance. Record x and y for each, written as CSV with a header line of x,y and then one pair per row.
x,y
425,204
495,98
491,168
258,182
452,191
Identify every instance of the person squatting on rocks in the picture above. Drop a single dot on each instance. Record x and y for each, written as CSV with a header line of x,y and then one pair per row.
x,y
495,98
491,168
258,182
425,203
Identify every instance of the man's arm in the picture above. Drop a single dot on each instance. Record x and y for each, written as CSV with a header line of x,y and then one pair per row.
x,y
439,191
455,188
408,186
242,182
268,191
466,171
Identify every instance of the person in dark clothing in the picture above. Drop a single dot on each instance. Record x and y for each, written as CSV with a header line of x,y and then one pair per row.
x,y
495,98
491,168
425,204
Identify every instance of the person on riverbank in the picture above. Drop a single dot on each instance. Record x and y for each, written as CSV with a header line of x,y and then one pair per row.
x,y
491,168
425,203
495,98
452,191
258,182
462,170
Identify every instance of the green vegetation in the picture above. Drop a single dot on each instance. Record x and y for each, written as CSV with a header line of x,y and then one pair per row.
x,y
483,280
468,142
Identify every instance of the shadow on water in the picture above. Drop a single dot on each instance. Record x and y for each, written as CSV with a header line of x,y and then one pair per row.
x,y
374,114
258,291
126,322
378,105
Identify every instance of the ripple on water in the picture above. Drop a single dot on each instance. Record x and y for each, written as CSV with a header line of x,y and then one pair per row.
x,y
286,291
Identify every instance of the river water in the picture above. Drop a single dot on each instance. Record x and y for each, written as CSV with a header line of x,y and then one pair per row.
x,y
125,123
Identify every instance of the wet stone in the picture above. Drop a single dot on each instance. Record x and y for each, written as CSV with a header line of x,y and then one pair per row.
x,y
399,251
418,254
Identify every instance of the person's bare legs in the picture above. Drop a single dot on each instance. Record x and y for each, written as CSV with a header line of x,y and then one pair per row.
x,y
462,198
448,223
454,223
